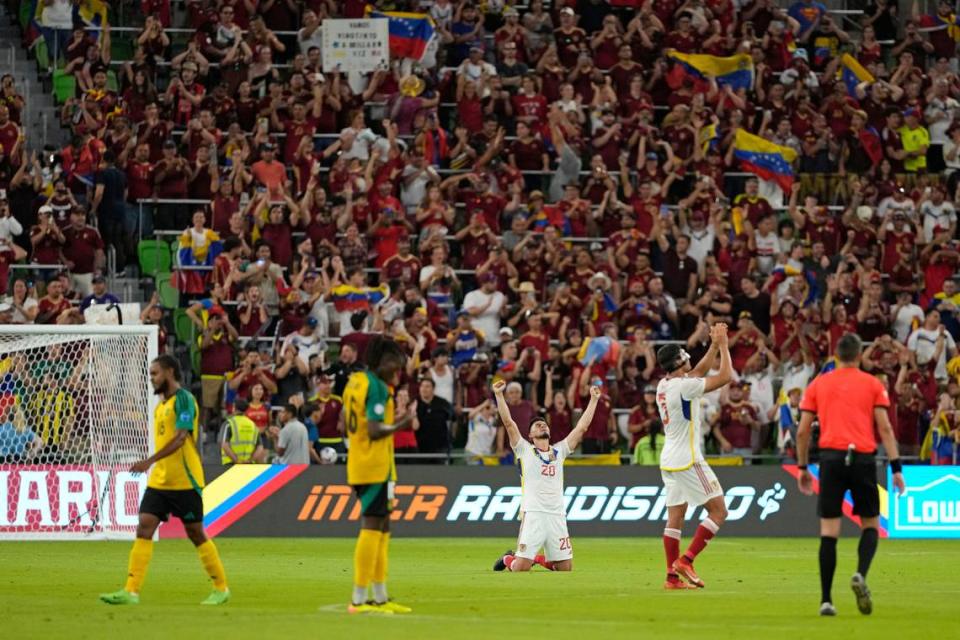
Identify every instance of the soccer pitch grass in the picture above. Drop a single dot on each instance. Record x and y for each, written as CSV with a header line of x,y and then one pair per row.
x,y
298,588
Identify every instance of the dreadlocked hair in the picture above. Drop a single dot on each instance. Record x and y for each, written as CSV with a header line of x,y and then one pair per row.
x,y
381,349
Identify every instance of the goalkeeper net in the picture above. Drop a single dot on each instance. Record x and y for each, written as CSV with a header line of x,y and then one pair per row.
x,y
76,408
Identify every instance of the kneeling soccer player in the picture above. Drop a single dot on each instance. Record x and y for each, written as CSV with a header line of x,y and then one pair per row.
x,y
369,417
543,522
686,476
174,487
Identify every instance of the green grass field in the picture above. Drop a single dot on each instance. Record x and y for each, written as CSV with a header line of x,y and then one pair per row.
x,y
297,588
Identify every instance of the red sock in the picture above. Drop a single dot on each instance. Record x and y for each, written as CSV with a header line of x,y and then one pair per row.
x,y
705,532
542,561
671,546
508,560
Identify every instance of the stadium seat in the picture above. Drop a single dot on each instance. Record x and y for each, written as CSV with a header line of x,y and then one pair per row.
x,y
43,56
169,296
112,83
121,48
195,359
64,86
154,257
27,10
183,326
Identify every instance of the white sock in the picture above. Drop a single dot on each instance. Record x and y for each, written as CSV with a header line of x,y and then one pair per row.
x,y
359,594
379,592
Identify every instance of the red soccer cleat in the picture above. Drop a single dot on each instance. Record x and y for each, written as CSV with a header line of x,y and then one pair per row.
x,y
677,584
684,568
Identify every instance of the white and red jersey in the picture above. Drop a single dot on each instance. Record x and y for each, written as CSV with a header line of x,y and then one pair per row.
x,y
679,402
542,477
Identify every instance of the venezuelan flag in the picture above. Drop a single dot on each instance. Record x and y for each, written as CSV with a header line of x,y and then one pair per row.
x,y
602,349
852,73
349,298
708,137
410,33
733,71
92,14
953,25
765,159
609,305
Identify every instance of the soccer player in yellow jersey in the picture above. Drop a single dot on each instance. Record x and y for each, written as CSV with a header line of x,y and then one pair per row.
x,y
174,487
368,415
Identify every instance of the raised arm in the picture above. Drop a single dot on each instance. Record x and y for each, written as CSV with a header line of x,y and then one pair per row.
x,y
512,431
718,336
573,440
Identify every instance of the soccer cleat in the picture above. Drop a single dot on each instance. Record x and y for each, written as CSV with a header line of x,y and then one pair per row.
x,y
677,585
684,568
392,607
500,565
368,608
120,597
862,592
827,609
217,597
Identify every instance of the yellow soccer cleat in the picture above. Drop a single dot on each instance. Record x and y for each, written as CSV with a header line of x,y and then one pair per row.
x,y
393,607
368,608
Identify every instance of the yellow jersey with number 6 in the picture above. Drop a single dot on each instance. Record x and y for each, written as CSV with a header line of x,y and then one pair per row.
x,y
365,398
182,469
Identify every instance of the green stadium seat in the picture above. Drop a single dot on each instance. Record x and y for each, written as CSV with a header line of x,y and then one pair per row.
x,y
154,256
43,56
112,83
195,359
64,86
26,13
169,296
121,48
183,326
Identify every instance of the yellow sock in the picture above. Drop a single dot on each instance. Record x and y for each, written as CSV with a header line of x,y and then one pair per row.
x,y
140,556
380,569
210,560
365,560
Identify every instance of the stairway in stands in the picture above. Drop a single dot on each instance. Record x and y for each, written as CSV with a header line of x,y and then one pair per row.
x,y
40,119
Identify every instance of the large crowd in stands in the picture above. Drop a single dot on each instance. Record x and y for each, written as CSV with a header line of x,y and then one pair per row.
x,y
543,184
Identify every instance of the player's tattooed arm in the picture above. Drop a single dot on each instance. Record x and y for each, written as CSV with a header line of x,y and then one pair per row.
x,y
573,440
512,430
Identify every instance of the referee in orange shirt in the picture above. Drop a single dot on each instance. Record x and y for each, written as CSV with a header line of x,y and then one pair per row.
x,y
847,402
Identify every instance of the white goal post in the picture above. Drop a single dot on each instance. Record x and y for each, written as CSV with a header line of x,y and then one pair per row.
x,y
76,409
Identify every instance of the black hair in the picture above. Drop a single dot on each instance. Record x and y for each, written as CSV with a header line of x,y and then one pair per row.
x,y
382,350
109,156
849,347
357,320
231,243
291,409
169,363
240,406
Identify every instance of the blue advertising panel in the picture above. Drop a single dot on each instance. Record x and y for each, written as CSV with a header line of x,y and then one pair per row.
x,y
930,507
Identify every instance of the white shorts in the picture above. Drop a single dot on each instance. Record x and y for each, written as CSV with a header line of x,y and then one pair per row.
x,y
546,530
693,486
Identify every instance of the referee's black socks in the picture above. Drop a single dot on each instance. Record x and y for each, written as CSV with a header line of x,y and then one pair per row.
x,y
828,564
866,549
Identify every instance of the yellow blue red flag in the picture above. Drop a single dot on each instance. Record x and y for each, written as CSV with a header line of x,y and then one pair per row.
x,y
764,158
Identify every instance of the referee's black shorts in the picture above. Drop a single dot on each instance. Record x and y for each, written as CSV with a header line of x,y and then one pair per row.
x,y
837,477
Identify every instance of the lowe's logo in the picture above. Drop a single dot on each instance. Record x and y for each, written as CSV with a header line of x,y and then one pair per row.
x,y
930,507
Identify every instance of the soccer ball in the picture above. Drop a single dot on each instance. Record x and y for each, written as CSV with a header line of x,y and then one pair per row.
x,y
328,455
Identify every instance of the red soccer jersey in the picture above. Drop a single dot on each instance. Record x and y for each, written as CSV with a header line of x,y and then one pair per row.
x,y
844,400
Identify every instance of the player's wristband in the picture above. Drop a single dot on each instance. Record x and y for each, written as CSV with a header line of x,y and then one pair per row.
x,y
896,466
802,467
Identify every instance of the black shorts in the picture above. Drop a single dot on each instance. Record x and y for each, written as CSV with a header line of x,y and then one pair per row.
x,y
186,504
374,501
859,478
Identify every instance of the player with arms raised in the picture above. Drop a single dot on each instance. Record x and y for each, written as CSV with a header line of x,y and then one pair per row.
x,y
369,417
175,485
543,522
687,477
